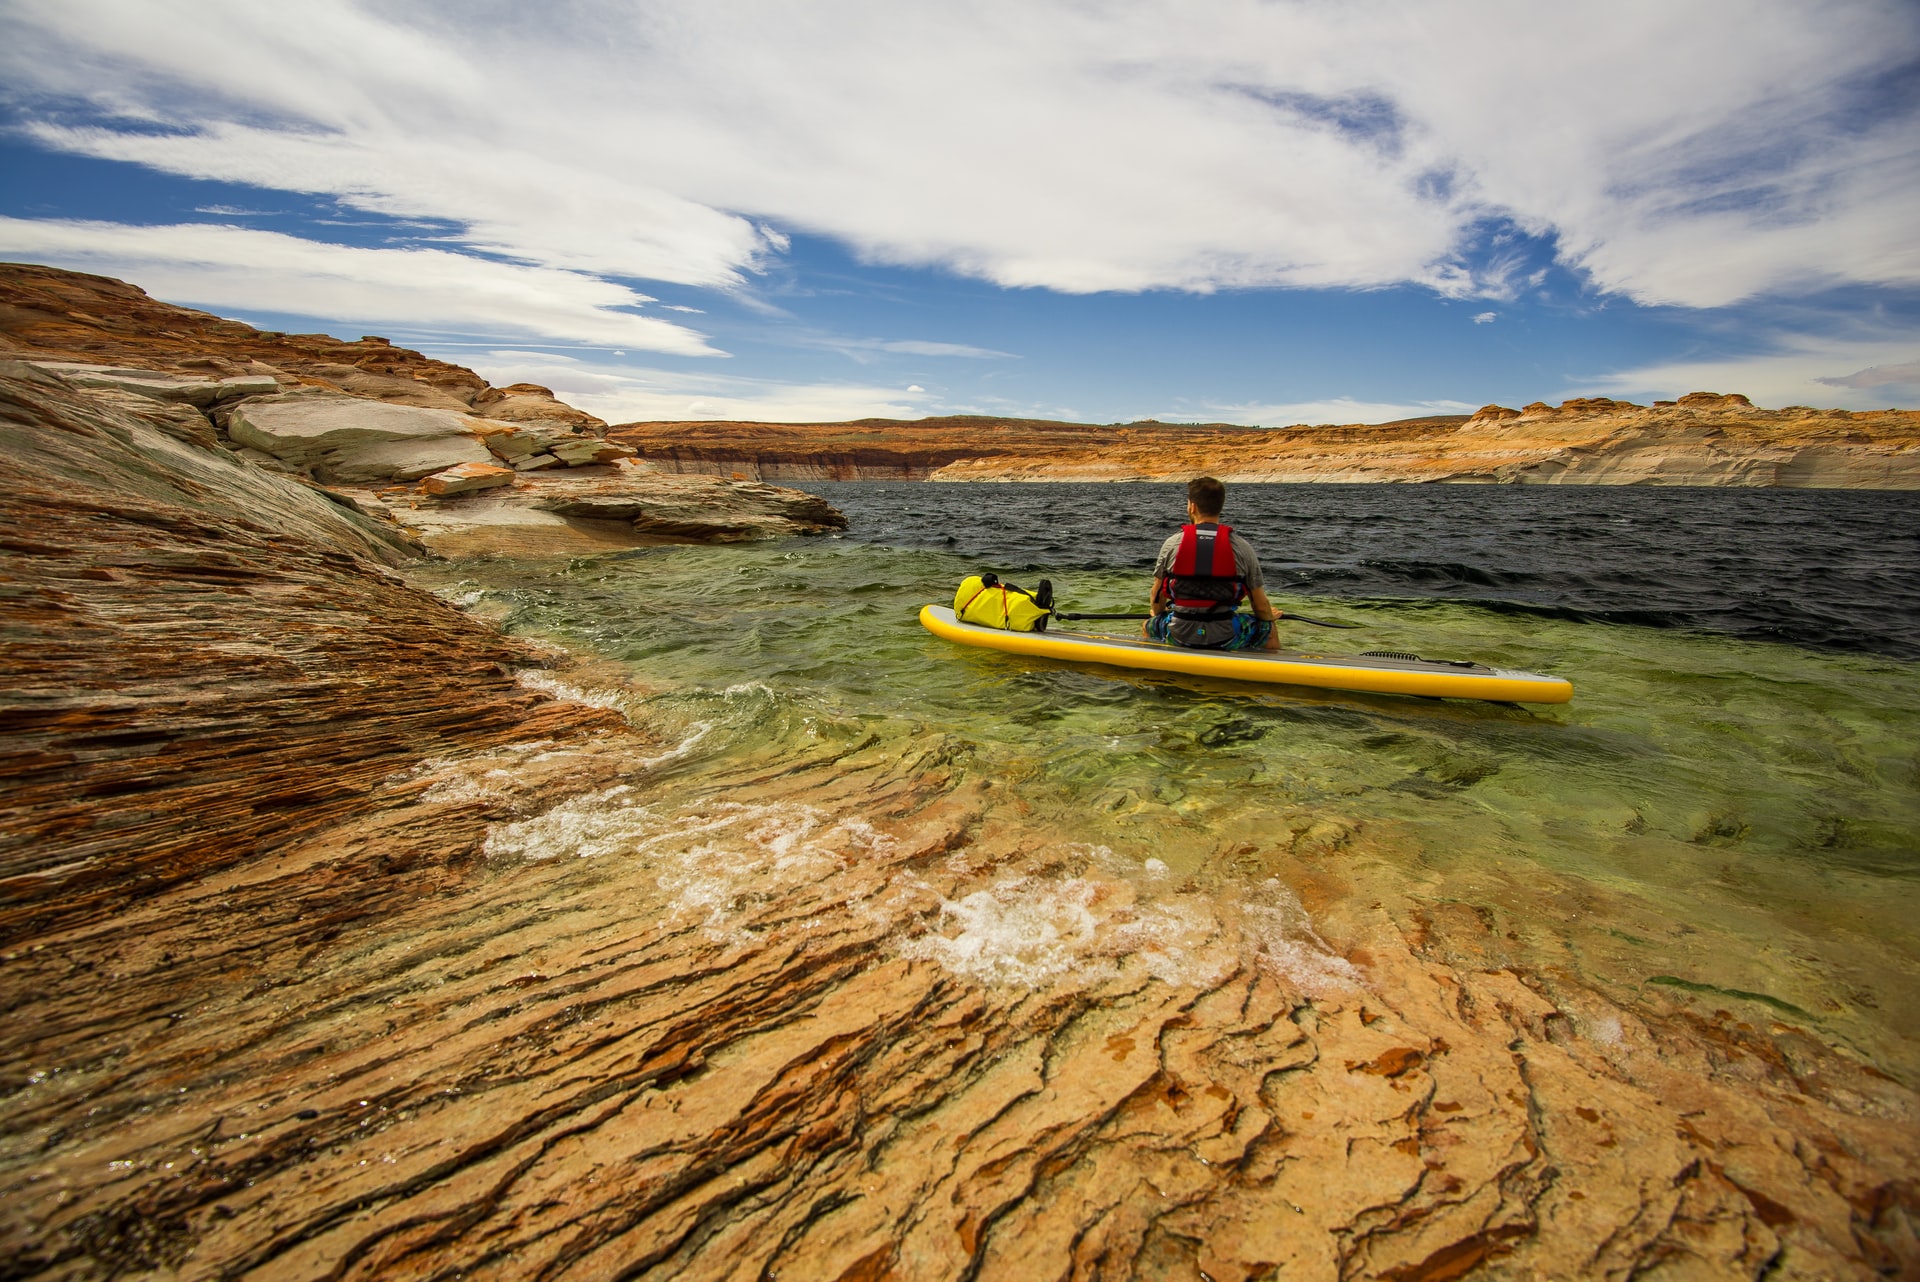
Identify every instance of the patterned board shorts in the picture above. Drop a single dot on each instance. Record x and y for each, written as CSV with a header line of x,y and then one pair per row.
x,y
1249,633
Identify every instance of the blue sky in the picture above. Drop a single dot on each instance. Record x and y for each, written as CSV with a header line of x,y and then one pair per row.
x,y
1243,211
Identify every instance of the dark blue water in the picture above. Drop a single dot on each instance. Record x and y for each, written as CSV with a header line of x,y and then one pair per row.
x,y
1837,569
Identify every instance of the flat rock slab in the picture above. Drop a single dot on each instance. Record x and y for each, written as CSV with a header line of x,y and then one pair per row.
x,y
574,512
155,385
347,440
465,478
706,508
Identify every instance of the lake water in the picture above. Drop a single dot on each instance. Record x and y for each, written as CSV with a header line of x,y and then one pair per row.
x,y
1726,815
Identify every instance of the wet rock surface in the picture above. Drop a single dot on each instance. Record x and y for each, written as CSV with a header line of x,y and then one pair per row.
x,y
727,1028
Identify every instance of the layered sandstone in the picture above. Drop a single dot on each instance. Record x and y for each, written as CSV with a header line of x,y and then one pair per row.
x,y
1702,439
342,937
50,314
356,418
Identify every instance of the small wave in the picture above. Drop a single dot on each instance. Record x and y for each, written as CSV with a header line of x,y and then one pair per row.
x,y
565,692
1031,931
1286,942
711,862
695,733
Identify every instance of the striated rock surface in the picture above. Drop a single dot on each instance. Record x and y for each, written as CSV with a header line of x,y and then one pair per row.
x,y
338,940
203,660
1702,439
887,449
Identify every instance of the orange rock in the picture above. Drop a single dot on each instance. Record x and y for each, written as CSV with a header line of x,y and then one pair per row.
x,y
464,478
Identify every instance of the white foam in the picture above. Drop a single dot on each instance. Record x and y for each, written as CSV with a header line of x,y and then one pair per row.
x,y
695,733
712,861
1029,931
535,679
593,824
1286,943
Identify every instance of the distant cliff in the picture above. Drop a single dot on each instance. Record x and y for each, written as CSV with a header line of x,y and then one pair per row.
x,y
1701,439
883,449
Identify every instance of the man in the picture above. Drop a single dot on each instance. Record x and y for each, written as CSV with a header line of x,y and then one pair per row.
x,y
1202,573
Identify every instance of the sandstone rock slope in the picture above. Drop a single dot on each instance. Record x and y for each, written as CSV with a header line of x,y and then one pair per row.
x,y
368,416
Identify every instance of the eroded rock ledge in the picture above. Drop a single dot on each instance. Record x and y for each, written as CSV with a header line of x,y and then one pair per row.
x,y
356,418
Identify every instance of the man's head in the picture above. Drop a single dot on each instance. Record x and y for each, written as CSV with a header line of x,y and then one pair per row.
x,y
1206,496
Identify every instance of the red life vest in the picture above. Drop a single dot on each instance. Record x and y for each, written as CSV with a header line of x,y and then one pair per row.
x,y
1203,581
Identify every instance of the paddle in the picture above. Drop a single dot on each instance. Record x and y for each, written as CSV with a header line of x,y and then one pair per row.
x,y
1288,614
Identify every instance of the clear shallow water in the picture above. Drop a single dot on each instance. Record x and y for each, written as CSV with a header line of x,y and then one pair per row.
x,y
1715,820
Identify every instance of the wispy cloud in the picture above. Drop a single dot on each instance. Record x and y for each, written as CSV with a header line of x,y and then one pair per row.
x,y
1691,154
1856,373
1486,318
1334,410
626,394
235,269
1897,380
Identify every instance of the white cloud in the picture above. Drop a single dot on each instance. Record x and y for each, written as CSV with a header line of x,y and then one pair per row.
x,y
1901,379
1486,318
1690,154
1829,373
234,269
1342,409
624,394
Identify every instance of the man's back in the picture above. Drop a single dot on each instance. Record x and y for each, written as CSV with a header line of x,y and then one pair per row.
x,y
1199,580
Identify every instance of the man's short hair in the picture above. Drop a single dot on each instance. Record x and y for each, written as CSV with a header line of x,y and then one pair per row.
x,y
1207,494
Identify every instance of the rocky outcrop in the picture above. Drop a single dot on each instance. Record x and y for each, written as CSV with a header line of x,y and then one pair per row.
x,y
357,417
594,509
534,405
50,314
68,322
1702,439
348,441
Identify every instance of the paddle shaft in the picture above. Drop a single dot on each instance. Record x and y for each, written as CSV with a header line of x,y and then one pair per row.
x,y
1285,614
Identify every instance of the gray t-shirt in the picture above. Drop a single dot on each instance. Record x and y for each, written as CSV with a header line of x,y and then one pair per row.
x,y
1207,633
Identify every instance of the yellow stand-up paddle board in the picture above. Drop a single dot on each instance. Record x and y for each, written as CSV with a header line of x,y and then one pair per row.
x,y
1374,674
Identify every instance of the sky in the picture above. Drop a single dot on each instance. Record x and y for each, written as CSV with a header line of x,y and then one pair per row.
x,y
1252,211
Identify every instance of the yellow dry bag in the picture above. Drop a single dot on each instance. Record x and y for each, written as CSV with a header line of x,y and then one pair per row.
x,y
985,600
